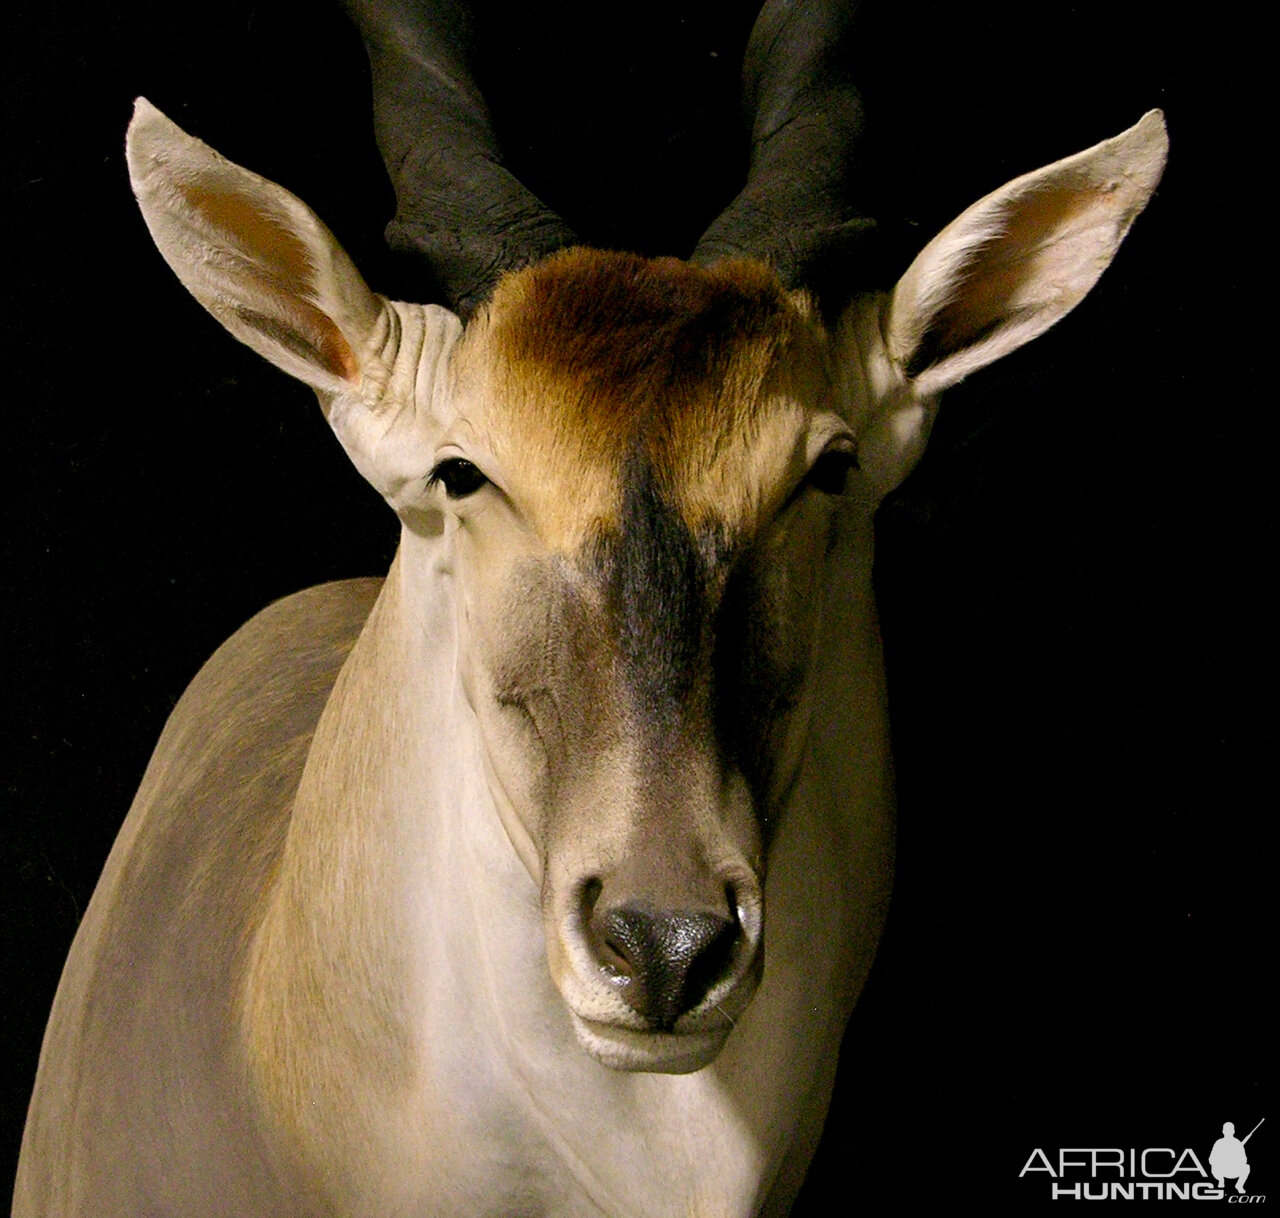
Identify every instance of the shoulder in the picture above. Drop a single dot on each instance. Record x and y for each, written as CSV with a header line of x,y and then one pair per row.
x,y
287,654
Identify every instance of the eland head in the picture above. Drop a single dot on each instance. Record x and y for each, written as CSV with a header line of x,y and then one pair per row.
x,y
633,475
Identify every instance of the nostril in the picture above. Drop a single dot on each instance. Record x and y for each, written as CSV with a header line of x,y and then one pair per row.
x,y
745,902
710,963
589,895
614,956
609,952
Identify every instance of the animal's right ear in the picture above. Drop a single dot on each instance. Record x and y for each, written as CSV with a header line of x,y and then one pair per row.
x,y
254,255
265,266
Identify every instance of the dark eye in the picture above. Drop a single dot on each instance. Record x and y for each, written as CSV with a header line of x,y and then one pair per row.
x,y
830,472
458,477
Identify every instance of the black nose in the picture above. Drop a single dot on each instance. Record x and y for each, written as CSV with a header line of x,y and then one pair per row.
x,y
664,961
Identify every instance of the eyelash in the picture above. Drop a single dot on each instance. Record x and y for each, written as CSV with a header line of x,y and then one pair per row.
x,y
458,476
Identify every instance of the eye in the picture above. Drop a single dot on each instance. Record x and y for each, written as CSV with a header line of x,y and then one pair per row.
x,y
458,477
830,472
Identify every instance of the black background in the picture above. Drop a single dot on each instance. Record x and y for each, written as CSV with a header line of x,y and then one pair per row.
x,y
1072,584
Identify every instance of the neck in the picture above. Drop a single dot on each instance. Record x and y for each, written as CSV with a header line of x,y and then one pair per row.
x,y
393,840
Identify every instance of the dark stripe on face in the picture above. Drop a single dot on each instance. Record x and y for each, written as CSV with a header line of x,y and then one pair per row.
x,y
658,586
707,642
757,673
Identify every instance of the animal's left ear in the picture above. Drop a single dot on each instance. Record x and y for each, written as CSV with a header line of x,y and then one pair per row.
x,y
997,276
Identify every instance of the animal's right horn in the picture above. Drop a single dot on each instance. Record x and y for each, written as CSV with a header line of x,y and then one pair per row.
x,y
798,210
457,208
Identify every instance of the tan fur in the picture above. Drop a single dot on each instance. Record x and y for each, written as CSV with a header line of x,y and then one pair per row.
x,y
168,928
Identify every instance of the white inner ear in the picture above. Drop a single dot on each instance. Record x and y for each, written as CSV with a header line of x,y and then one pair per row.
x,y
254,255
1016,261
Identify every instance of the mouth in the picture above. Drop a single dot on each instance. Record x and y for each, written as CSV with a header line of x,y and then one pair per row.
x,y
630,1049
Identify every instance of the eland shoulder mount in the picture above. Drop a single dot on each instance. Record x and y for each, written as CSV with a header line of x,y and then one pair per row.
x,y
542,876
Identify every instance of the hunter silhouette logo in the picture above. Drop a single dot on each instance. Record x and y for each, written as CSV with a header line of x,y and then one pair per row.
x,y
1154,1173
1227,1159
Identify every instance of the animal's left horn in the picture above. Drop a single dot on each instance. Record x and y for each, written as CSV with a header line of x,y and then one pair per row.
x,y
458,210
798,209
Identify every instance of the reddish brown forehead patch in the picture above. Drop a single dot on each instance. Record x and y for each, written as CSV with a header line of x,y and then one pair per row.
x,y
590,356
632,334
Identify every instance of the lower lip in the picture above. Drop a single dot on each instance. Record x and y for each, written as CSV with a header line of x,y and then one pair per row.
x,y
659,1052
